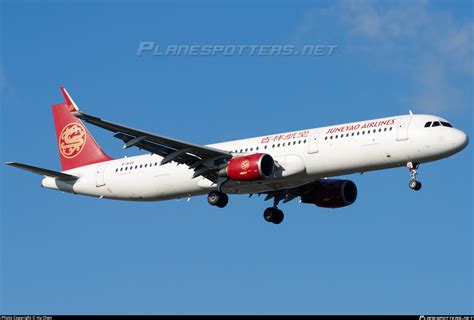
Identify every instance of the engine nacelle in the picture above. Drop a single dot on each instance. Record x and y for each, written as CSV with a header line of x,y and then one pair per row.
x,y
332,193
249,168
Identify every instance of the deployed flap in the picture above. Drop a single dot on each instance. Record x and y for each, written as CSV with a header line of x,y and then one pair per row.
x,y
43,172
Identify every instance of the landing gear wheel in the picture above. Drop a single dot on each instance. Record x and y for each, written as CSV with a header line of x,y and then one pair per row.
x,y
273,215
217,198
278,217
223,201
268,214
415,185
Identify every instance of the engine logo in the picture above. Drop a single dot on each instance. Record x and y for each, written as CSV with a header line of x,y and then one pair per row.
x,y
72,140
245,165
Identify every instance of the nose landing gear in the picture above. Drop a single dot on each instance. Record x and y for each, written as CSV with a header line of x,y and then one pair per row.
x,y
413,168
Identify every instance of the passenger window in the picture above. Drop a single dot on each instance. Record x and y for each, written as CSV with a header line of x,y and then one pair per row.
x,y
299,142
428,124
330,137
436,124
116,170
358,132
256,149
251,149
384,129
363,132
352,134
141,166
265,147
325,138
304,141
278,145
283,144
337,136
380,130
121,169
390,128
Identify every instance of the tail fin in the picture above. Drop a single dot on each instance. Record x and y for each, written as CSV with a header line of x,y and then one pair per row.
x,y
76,145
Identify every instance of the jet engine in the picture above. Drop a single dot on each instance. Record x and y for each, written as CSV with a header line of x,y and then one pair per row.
x,y
249,168
332,193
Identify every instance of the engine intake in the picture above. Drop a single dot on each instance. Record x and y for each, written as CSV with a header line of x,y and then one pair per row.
x,y
332,193
249,168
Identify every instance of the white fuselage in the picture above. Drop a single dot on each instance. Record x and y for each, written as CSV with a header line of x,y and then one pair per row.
x,y
301,157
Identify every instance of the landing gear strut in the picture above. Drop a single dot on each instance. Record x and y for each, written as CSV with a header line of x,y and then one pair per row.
x,y
413,168
273,214
217,198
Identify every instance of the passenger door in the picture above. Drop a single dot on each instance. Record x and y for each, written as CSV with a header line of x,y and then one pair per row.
x,y
99,175
313,143
402,128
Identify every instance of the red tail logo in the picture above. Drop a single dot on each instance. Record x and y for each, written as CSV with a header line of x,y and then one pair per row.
x,y
72,140
76,146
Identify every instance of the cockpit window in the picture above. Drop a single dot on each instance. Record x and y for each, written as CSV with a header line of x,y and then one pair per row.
x,y
428,124
436,124
446,124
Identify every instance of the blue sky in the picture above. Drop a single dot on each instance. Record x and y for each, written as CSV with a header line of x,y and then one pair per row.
x,y
393,251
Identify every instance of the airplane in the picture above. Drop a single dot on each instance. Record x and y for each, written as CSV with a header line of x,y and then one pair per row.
x,y
281,166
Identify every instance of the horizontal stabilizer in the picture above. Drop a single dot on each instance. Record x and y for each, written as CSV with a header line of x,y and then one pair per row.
x,y
44,172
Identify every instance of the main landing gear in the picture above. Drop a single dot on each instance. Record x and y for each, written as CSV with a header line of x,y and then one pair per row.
x,y
217,198
414,184
273,214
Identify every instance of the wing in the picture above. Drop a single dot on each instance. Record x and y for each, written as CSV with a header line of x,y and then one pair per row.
x,y
287,195
205,161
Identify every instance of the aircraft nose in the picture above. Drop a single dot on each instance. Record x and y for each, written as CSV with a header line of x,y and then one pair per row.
x,y
459,140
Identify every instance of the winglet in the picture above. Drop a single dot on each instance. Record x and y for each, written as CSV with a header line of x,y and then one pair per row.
x,y
71,105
